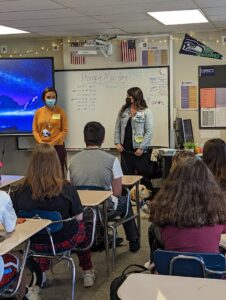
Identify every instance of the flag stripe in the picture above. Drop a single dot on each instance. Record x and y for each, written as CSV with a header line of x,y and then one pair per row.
x,y
77,59
128,50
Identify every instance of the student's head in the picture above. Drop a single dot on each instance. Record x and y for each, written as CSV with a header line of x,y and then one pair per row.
x,y
94,134
214,156
179,156
189,197
44,174
49,96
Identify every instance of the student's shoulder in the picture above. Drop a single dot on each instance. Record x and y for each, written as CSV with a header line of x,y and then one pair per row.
x,y
4,198
107,154
76,157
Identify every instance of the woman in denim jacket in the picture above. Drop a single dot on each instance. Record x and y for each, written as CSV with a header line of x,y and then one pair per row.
x,y
133,134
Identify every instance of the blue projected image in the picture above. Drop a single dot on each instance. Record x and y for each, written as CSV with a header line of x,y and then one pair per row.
x,y
22,81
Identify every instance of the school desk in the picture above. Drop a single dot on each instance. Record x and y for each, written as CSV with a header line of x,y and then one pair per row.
x,y
7,180
95,198
163,287
21,233
130,180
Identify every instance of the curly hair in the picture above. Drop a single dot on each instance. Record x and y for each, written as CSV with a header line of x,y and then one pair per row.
x,y
214,156
189,197
179,156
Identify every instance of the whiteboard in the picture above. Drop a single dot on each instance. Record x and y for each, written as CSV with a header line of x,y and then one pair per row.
x,y
98,95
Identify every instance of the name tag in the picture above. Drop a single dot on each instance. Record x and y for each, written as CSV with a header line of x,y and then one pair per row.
x,y
56,116
139,138
140,114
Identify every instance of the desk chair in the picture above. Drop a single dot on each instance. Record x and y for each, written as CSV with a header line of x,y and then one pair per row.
x,y
55,226
8,291
189,264
114,221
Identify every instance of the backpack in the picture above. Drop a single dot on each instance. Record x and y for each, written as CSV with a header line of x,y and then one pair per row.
x,y
117,282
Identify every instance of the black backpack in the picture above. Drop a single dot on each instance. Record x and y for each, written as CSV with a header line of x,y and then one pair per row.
x,y
117,282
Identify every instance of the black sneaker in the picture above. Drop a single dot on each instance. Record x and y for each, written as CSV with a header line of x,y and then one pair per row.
x,y
134,246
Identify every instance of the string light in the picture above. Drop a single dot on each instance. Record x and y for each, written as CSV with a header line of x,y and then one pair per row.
x,y
48,46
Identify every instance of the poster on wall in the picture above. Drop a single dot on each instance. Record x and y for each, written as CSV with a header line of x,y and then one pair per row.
x,y
188,98
212,96
153,55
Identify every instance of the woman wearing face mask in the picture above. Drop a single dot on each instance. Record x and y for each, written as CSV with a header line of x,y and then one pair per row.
x,y
133,133
50,124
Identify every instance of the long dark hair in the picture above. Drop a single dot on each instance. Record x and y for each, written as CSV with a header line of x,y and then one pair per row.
x,y
189,197
138,97
214,156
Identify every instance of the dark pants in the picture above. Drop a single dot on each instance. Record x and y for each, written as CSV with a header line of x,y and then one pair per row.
x,y
61,151
130,227
137,165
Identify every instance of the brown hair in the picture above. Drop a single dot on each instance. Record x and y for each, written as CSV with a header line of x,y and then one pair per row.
x,y
138,97
189,197
214,156
47,90
179,156
44,174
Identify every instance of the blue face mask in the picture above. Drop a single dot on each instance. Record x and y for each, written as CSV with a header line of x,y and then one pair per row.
x,y
50,102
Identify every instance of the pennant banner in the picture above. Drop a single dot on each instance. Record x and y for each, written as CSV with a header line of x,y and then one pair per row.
x,y
191,46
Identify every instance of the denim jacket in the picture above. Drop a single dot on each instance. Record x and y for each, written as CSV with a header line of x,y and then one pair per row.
x,y
142,128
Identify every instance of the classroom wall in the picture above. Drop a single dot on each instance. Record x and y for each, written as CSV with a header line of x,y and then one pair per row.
x,y
185,68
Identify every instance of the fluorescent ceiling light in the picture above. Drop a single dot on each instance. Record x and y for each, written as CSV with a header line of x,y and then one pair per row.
x,y
179,17
10,30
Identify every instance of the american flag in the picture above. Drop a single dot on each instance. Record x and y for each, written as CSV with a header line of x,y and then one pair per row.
x,y
128,49
75,58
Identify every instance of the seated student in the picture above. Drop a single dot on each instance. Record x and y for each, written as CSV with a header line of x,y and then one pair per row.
x,y
94,166
153,231
190,209
44,188
9,263
214,156
179,156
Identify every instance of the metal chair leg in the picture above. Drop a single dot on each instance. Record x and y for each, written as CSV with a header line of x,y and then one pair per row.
x,y
71,261
114,232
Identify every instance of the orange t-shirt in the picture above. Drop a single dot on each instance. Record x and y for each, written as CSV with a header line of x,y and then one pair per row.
x,y
52,120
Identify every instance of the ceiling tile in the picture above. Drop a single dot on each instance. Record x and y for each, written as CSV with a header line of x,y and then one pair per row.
x,y
39,15
123,17
210,3
26,5
212,11
50,22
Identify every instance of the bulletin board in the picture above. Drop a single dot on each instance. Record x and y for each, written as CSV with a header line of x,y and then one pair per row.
x,y
212,96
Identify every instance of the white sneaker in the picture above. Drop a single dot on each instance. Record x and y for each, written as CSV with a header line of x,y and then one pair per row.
x,y
150,266
88,278
33,293
147,264
44,279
